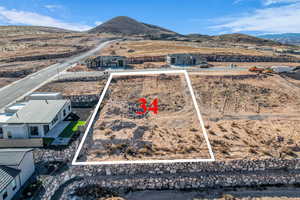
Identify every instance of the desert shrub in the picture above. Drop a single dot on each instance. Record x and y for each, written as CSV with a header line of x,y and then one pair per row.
x,y
253,151
211,132
193,129
222,128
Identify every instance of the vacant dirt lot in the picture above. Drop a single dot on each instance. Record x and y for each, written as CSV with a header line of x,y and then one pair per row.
x,y
250,118
6,81
74,88
173,133
26,49
158,48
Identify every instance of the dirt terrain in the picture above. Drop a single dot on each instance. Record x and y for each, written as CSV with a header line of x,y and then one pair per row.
x,y
173,133
27,49
74,88
254,117
158,48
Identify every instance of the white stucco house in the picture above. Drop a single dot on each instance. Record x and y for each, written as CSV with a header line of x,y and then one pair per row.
x,y
283,69
16,167
33,118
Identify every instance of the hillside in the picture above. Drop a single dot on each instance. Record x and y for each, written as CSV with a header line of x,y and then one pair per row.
x,y
285,38
243,38
128,26
30,30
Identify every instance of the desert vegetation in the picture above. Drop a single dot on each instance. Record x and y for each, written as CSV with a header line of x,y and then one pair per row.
x,y
250,117
173,133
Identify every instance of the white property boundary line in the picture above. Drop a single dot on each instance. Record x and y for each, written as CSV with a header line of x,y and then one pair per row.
x,y
212,158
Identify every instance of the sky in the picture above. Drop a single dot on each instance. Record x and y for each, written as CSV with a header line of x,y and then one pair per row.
x,y
211,17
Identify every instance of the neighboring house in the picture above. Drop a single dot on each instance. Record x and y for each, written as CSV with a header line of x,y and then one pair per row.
x,y
186,60
3,118
282,69
16,167
104,62
34,118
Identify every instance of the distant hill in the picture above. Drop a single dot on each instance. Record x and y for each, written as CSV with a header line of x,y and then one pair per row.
x,y
285,38
32,29
233,38
128,26
199,37
243,38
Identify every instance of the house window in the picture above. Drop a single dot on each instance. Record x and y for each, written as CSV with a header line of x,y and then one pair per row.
x,y
64,112
14,184
4,195
1,130
9,134
69,108
173,61
34,131
55,120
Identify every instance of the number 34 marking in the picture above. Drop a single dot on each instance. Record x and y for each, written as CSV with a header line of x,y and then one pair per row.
x,y
153,106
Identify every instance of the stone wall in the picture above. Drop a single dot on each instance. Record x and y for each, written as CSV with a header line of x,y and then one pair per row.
x,y
45,56
248,58
176,176
220,58
19,73
82,78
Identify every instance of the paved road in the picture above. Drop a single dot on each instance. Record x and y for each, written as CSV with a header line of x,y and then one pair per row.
x,y
100,73
18,89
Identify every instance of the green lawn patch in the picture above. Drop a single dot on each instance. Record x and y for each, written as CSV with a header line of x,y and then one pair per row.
x,y
71,129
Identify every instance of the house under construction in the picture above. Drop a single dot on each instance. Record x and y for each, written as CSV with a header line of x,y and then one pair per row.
x,y
186,60
105,62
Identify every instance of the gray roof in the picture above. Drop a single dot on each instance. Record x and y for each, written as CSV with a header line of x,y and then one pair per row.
x,y
7,175
12,156
37,112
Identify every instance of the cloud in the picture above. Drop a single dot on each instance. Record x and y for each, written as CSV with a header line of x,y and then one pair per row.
x,y
97,23
53,7
270,2
279,19
30,18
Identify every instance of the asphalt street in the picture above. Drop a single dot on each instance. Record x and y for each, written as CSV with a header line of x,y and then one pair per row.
x,y
18,89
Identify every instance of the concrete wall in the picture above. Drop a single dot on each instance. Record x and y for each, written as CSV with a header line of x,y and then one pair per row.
x,y
27,167
17,131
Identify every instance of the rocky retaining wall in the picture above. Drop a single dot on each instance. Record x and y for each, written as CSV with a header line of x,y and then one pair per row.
x,y
177,175
45,56
177,182
248,58
82,78
19,73
220,58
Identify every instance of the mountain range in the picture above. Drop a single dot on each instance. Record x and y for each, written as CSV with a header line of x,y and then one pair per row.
x,y
285,38
127,26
